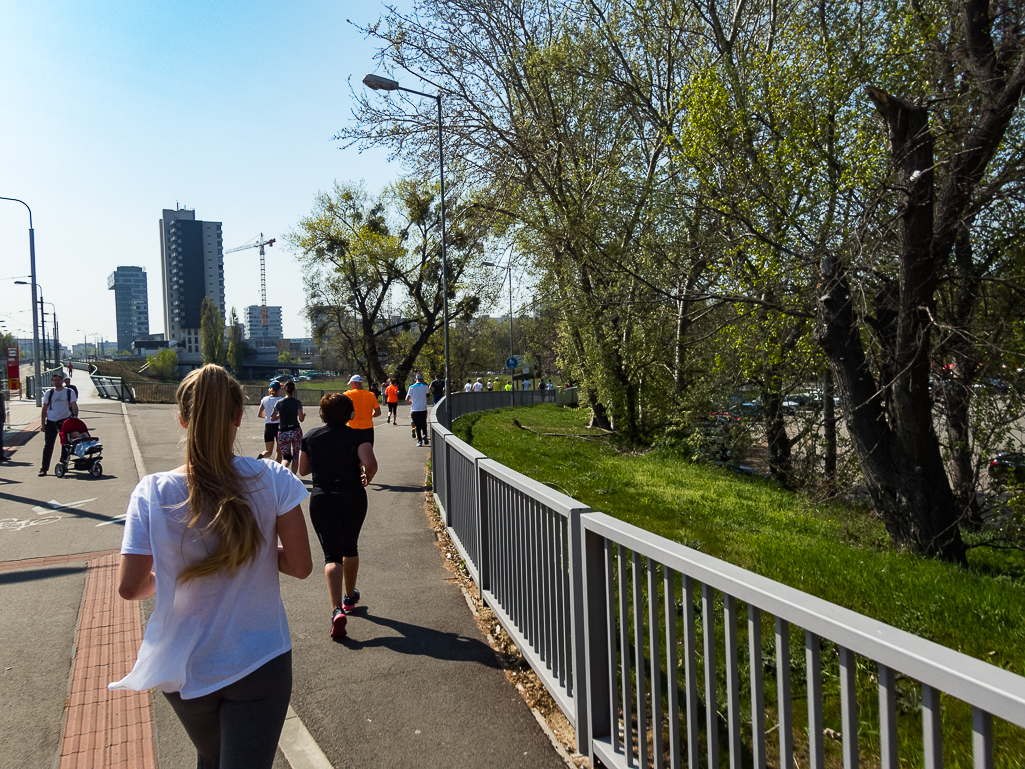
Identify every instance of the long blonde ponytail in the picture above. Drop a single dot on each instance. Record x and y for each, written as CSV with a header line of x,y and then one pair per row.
x,y
209,402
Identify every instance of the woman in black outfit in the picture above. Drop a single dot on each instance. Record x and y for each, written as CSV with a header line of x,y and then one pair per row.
x,y
289,413
342,462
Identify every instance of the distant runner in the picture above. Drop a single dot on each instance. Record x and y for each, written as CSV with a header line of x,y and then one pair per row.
x,y
416,397
391,394
366,407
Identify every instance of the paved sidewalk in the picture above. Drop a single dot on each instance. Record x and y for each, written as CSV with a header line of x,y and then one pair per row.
x,y
415,684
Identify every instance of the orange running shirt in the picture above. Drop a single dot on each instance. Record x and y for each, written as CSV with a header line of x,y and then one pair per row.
x,y
392,393
364,403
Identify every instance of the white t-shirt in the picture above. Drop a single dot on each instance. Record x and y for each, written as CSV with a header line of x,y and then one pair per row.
x,y
269,402
467,387
417,397
211,631
478,387
58,403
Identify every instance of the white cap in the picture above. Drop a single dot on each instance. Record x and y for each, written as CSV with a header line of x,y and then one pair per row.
x,y
355,378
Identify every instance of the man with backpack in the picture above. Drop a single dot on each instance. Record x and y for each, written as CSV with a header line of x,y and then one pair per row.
x,y
59,404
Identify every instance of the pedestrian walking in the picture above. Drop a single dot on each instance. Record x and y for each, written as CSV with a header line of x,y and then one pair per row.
x,y
343,463
490,386
270,424
416,397
289,413
468,387
391,393
478,386
203,538
365,405
71,369
67,383
59,404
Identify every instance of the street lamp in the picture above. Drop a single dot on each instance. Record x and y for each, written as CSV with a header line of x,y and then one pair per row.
x,y
379,83
42,324
35,319
508,268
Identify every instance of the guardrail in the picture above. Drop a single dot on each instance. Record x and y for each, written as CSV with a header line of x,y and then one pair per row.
x,y
605,614
46,375
463,403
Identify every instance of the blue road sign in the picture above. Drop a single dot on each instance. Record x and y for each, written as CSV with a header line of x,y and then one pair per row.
x,y
511,362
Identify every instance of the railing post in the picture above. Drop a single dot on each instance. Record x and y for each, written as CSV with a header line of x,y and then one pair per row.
x,y
592,682
483,532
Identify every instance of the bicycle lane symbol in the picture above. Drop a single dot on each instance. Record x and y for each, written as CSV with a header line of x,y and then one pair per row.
x,y
13,524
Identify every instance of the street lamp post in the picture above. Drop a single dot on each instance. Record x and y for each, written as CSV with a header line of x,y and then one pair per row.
x,y
42,324
508,268
379,83
35,318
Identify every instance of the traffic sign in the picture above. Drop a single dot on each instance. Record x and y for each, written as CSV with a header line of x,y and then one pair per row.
x,y
512,362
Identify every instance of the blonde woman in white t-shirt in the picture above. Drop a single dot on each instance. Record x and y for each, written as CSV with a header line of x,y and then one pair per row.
x,y
203,539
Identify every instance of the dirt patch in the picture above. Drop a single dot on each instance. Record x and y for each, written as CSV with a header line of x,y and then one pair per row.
x,y
517,670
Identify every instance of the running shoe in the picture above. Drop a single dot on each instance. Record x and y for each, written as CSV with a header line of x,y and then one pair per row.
x,y
338,620
419,443
414,432
387,420
348,604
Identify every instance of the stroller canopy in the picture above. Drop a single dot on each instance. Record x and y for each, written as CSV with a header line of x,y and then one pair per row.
x,y
73,425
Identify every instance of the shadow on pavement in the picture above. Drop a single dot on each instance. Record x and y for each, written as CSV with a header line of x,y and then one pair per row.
x,y
387,487
77,511
30,575
423,641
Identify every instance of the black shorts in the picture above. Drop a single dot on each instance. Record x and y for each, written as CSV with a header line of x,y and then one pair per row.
x,y
337,517
393,407
270,431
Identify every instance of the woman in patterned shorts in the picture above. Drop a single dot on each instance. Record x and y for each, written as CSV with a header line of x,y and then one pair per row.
x,y
289,412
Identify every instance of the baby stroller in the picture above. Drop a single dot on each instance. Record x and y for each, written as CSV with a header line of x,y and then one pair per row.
x,y
78,449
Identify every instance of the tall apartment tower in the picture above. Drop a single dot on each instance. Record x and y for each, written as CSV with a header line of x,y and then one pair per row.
x,y
254,329
192,262
131,304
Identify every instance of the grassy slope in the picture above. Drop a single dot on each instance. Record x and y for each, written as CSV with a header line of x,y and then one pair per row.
x,y
832,551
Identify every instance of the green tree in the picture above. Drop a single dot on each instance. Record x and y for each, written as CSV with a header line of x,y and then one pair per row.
x,y
163,365
236,345
211,332
358,252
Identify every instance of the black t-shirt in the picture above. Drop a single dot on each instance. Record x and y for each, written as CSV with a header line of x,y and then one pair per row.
x,y
334,458
288,411
437,390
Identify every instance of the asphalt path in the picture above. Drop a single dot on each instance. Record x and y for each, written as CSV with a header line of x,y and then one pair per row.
x,y
415,684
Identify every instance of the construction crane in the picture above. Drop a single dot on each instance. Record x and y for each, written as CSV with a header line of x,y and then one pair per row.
x,y
263,273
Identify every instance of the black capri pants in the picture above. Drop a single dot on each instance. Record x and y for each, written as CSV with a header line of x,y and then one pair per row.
x,y
238,727
337,517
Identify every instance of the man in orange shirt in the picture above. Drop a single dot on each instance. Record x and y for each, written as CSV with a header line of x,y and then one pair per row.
x,y
365,405
391,395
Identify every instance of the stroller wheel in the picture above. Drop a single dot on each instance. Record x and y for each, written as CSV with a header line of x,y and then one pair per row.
x,y
96,470
59,469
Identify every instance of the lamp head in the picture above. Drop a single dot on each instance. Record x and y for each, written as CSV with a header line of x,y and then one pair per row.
x,y
488,264
22,283
379,83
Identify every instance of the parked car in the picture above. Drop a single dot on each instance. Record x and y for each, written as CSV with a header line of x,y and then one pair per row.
x,y
1008,467
302,378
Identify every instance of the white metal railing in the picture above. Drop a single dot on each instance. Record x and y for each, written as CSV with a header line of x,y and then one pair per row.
x,y
605,614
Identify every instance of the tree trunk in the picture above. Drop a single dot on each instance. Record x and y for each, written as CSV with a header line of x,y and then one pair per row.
x,y
829,430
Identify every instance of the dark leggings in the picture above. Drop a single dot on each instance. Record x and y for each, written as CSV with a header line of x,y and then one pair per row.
x,y
337,517
238,727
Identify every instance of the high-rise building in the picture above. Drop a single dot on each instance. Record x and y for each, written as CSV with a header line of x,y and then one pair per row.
x,y
192,261
131,304
256,332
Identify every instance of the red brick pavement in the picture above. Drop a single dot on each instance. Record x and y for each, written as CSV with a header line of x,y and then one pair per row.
x,y
103,728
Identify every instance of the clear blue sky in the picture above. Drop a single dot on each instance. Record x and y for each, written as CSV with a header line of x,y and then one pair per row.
x,y
112,111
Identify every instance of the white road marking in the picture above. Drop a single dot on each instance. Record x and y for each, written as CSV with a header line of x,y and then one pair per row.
x,y
140,465
55,505
300,749
115,519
